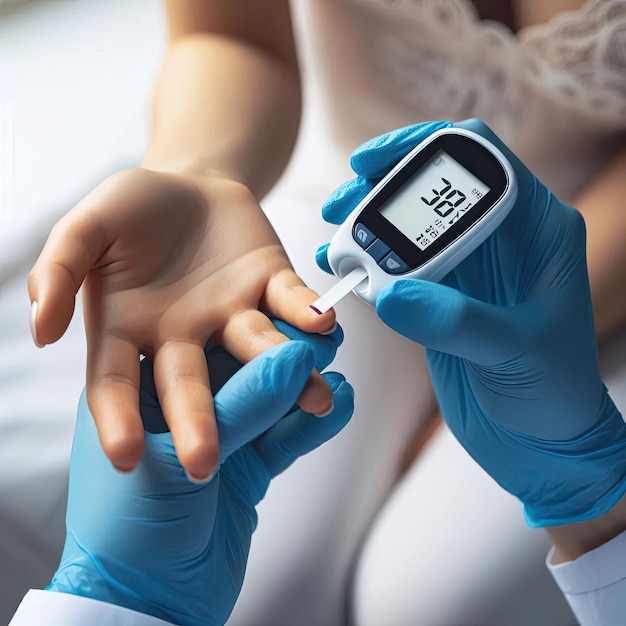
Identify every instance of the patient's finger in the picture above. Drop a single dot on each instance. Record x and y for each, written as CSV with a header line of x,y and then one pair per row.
x,y
288,298
72,249
182,383
250,333
113,397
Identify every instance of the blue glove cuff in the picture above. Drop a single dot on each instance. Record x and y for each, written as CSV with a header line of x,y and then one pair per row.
x,y
595,462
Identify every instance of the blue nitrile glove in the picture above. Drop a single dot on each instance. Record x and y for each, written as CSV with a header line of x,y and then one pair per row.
x,y
511,345
154,542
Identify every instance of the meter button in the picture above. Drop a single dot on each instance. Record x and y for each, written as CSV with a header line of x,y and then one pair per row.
x,y
393,264
363,236
378,250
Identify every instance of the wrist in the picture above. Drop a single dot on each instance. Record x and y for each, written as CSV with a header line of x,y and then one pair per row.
x,y
95,584
202,182
575,539
79,578
580,479
194,168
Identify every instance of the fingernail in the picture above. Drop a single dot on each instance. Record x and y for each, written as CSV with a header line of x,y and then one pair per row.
x,y
33,323
199,480
331,331
330,410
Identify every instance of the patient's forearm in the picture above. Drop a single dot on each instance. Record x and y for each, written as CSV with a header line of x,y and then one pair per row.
x,y
224,107
603,207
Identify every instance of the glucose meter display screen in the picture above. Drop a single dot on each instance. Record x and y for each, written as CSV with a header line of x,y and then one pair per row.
x,y
436,197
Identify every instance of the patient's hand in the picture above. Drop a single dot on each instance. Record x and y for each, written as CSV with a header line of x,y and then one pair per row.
x,y
167,263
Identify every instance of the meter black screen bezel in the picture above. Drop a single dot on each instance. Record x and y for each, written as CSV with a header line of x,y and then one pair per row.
x,y
474,157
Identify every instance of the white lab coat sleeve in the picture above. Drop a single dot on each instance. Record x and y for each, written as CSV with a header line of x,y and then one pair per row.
x,y
51,608
595,583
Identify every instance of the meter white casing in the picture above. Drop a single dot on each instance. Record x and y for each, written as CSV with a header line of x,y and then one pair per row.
x,y
484,163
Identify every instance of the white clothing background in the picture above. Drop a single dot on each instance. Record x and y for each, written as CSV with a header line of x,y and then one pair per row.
x,y
554,92
49,608
75,80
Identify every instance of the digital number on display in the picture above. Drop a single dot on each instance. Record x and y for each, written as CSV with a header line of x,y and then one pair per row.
x,y
436,197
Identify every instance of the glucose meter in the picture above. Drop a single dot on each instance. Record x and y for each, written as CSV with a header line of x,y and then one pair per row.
x,y
435,207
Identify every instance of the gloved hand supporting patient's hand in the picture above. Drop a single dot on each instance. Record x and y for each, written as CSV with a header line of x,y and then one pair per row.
x,y
155,542
511,345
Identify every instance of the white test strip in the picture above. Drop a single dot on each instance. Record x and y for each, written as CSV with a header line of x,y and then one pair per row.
x,y
340,290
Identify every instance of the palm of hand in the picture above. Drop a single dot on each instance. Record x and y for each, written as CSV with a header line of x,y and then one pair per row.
x,y
201,584
184,266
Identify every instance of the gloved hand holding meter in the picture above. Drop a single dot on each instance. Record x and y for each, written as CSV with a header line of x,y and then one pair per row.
x,y
436,206
506,319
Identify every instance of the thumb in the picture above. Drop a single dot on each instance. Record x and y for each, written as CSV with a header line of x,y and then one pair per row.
x,y
377,156
260,393
299,433
444,319
72,249
321,258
